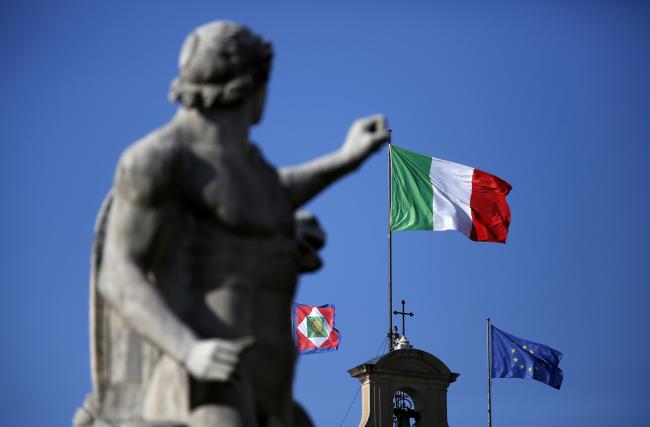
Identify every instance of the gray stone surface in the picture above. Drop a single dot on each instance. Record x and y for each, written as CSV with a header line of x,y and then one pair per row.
x,y
197,252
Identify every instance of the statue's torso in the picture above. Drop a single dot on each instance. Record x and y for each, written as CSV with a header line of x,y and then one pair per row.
x,y
228,225
225,263
229,268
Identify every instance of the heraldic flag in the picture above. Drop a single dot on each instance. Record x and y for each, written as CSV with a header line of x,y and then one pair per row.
x,y
434,194
314,328
514,357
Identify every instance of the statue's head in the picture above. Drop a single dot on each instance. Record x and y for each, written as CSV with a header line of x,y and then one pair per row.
x,y
221,64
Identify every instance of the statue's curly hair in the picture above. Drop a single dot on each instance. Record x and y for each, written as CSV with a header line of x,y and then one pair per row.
x,y
221,63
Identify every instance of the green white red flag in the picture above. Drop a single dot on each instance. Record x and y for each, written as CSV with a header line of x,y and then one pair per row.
x,y
314,330
434,194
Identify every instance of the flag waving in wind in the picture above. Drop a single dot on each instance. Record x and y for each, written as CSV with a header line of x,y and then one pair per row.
x,y
434,194
314,328
514,357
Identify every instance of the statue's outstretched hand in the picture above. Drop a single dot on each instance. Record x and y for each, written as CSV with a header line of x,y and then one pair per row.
x,y
366,135
216,359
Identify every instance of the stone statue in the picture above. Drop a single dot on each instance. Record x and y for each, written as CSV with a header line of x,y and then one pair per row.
x,y
197,251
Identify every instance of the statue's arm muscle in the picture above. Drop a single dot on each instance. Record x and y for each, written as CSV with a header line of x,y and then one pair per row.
x,y
135,226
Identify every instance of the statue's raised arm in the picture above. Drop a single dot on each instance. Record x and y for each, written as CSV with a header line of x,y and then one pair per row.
x,y
304,181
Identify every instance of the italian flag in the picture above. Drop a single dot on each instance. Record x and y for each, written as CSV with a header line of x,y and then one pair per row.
x,y
434,194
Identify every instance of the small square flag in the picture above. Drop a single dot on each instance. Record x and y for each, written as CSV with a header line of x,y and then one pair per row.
x,y
314,328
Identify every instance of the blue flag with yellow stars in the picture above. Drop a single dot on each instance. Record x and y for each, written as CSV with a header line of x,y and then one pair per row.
x,y
514,357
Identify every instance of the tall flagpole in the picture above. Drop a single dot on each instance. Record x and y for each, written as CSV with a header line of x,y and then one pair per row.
x,y
390,248
489,369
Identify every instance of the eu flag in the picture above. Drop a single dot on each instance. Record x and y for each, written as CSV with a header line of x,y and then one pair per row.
x,y
514,357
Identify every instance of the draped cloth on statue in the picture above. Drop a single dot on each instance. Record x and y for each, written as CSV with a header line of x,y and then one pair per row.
x,y
126,369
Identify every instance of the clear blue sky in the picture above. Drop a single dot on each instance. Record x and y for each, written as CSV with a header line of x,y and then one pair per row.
x,y
554,97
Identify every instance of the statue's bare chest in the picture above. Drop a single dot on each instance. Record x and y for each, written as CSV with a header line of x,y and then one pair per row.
x,y
241,193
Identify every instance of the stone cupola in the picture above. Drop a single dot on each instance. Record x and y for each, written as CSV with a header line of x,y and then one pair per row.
x,y
403,385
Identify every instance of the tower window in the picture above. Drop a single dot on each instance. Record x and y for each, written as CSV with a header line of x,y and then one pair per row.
x,y
404,414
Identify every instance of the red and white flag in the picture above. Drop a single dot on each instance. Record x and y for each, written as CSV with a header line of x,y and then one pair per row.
x,y
314,328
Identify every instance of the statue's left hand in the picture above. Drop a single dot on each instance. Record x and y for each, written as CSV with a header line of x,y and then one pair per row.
x,y
310,237
366,135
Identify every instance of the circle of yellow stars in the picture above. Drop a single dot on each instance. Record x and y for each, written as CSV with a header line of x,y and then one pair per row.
x,y
522,366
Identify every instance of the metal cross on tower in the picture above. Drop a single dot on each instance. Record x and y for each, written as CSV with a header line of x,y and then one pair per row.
x,y
403,313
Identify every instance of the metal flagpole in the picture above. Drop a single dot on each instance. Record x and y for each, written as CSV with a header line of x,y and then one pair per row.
x,y
489,366
390,248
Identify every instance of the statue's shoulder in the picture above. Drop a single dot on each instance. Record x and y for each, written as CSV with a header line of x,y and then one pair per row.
x,y
256,156
146,169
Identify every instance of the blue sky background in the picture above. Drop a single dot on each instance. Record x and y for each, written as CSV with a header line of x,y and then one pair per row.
x,y
551,96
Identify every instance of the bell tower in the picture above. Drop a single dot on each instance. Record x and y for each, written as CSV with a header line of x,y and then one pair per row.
x,y
404,387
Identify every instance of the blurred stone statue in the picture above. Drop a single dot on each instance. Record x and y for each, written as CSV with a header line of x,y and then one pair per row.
x,y
197,252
